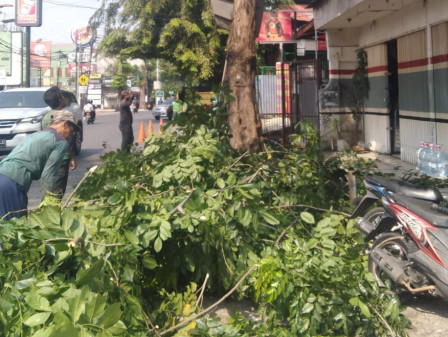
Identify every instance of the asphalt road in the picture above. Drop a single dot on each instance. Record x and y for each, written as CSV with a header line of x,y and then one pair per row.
x,y
101,137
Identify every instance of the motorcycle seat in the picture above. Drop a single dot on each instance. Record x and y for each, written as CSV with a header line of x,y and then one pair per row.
x,y
411,190
422,208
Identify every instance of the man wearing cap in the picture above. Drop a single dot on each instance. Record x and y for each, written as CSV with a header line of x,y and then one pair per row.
x,y
38,156
56,101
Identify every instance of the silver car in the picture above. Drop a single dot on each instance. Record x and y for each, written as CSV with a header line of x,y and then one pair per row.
x,y
164,110
22,111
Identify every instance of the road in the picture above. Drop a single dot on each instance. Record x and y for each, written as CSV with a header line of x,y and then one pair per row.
x,y
101,137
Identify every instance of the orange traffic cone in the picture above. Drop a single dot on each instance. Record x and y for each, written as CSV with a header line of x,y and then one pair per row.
x,y
160,126
141,134
150,130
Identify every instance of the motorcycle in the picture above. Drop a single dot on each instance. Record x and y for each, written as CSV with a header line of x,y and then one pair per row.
x,y
409,239
89,116
134,107
377,187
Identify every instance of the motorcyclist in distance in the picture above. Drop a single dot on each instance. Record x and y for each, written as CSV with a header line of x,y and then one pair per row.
x,y
89,108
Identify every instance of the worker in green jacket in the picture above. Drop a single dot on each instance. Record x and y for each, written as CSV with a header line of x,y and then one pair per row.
x,y
177,108
38,156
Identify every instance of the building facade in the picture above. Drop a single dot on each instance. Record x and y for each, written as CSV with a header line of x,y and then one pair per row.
x,y
406,42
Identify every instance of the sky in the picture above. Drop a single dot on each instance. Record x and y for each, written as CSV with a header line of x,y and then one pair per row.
x,y
58,18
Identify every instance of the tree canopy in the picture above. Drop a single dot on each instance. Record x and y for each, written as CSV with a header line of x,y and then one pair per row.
x,y
181,32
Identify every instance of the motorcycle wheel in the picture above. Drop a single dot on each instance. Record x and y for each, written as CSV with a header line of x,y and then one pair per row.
x,y
374,215
395,245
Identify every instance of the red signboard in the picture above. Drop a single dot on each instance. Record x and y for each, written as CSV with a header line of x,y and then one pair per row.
x,y
28,13
82,34
275,27
40,54
82,68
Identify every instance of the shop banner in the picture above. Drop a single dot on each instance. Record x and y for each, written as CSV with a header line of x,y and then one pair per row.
x,y
28,13
40,54
275,27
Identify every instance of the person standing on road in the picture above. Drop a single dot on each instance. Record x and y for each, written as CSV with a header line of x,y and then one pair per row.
x,y
53,97
125,126
38,156
177,106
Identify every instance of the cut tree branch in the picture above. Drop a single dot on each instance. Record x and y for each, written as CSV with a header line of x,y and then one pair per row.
x,y
213,306
179,208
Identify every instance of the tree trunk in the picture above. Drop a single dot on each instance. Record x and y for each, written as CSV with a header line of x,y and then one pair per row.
x,y
240,76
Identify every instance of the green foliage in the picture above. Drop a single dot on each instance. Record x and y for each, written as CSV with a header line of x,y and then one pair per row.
x,y
147,227
181,32
361,82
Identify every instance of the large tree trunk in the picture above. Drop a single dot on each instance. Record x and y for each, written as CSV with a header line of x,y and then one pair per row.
x,y
240,76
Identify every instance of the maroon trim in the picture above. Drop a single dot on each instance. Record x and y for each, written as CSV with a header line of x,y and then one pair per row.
x,y
413,63
342,71
376,69
439,59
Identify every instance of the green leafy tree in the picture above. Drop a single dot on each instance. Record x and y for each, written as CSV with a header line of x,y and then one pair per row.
x,y
181,32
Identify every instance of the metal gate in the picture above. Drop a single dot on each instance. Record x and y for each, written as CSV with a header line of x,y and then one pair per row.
x,y
287,94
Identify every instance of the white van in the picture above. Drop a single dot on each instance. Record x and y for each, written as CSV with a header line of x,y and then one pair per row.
x,y
22,111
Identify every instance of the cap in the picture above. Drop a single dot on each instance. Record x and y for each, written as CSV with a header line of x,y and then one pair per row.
x,y
63,115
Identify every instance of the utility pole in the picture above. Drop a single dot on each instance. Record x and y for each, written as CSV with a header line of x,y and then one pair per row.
x,y
28,57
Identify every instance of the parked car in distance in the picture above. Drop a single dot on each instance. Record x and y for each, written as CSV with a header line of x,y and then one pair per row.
x,y
22,111
164,110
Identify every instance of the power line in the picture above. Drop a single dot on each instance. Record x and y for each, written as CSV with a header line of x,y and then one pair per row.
x,y
68,4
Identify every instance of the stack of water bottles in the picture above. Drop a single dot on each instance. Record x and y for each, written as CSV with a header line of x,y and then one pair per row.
x,y
432,161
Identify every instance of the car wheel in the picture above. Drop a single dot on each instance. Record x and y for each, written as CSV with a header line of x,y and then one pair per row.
x,y
157,117
78,141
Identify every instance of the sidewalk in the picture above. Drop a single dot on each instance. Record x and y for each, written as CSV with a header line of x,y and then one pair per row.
x,y
390,164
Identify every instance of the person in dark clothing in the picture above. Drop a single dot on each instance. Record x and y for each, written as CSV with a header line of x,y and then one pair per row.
x,y
56,101
125,126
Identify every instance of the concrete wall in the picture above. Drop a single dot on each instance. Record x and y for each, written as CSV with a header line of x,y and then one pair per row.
x,y
423,94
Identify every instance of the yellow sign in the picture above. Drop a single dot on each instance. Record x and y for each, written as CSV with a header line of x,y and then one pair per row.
x,y
95,76
83,79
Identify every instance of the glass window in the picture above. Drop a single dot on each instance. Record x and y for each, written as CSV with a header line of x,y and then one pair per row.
x,y
22,99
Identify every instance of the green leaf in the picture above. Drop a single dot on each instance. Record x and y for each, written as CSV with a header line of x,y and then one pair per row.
x,y
23,284
354,301
132,238
244,193
77,305
158,245
307,308
329,244
149,262
311,243
38,302
165,230
220,183
45,332
95,307
364,309
111,315
37,319
307,217
114,199
269,218
244,216
85,276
